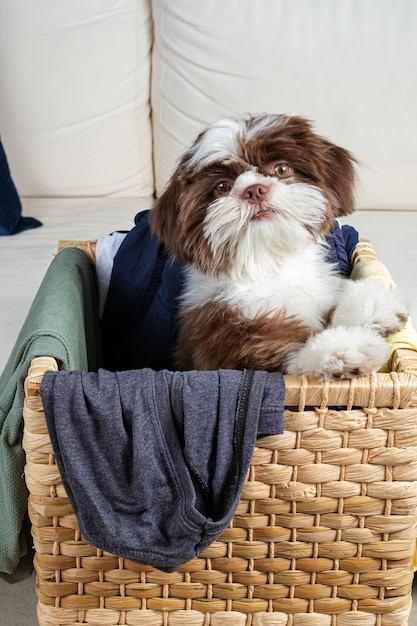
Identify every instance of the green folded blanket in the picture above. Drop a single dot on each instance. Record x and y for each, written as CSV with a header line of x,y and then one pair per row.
x,y
62,323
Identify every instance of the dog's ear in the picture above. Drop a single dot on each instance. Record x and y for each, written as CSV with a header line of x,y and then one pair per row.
x,y
164,214
341,178
333,168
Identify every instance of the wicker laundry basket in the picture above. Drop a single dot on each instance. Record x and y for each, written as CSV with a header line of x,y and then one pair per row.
x,y
324,534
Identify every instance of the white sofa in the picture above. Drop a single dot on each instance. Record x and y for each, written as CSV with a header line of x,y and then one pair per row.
x,y
99,98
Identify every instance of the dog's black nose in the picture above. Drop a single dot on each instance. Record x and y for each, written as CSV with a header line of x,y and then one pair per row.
x,y
255,193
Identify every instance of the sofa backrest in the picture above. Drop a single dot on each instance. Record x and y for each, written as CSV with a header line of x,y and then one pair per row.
x,y
74,96
78,84
348,65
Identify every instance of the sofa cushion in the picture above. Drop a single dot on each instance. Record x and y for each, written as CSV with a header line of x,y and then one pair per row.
x,y
74,107
350,67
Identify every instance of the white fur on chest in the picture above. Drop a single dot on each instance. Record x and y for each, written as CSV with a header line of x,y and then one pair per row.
x,y
305,286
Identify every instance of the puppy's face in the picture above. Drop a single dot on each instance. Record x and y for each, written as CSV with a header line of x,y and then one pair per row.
x,y
253,189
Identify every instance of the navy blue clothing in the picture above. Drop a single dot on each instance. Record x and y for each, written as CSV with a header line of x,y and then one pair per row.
x,y
139,322
11,220
342,242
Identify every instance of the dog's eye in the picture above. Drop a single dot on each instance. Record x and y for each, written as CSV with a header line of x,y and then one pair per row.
x,y
222,188
283,170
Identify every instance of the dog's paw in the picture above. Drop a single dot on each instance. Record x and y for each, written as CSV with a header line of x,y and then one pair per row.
x,y
340,352
371,304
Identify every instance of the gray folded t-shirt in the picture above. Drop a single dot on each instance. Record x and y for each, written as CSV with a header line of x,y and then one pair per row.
x,y
154,462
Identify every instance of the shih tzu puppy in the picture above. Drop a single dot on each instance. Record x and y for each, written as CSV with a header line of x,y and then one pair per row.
x,y
246,212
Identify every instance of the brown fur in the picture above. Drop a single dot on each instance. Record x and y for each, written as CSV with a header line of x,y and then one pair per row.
x,y
178,214
215,335
315,160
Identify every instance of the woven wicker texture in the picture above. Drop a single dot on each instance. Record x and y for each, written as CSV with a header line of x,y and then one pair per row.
x,y
324,534
88,247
